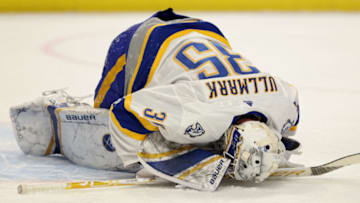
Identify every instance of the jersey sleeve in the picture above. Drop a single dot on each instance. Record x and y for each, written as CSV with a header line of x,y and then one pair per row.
x,y
181,112
292,95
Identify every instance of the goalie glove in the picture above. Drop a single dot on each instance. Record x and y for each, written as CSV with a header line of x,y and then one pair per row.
x,y
255,150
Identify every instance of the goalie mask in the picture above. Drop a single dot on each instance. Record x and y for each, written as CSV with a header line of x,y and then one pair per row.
x,y
255,150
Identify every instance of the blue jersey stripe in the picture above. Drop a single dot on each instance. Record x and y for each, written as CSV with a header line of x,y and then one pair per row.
x,y
115,91
128,120
156,38
118,47
172,167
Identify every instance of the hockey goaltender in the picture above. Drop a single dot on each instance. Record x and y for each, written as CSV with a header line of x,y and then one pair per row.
x,y
174,101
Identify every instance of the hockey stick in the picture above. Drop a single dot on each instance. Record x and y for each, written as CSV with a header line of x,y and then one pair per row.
x,y
282,172
30,188
318,170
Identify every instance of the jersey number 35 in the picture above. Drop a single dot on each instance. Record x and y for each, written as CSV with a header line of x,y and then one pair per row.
x,y
211,60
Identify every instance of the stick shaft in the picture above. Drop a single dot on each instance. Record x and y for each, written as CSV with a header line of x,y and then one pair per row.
x,y
30,188
282,172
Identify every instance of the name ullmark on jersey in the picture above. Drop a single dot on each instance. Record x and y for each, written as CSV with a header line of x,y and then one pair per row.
x,y
241,86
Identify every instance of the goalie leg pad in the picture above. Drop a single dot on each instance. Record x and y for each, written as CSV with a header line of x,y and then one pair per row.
x,y
32,128
183,164
57,123
85,138
32,125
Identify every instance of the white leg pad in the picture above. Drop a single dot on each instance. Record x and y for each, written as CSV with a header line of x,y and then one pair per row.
x,y
56,123
85,139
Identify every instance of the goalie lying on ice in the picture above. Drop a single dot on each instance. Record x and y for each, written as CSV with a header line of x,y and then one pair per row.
x,y
175,99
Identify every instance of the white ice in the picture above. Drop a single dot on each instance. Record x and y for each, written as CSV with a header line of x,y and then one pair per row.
x,y
317,52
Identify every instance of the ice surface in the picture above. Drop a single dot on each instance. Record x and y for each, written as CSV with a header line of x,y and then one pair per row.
x,y
15,166
317,52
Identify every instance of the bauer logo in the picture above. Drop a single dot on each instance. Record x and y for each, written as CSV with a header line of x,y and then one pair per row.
x,y
215,175
107,143
77,117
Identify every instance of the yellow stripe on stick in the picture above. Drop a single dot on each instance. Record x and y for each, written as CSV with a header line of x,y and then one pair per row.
x,y
93,184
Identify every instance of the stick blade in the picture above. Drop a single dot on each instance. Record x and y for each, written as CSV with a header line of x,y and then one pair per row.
x,y
318,170
336,164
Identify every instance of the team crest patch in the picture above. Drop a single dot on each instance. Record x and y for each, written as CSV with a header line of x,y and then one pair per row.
x,y
107,143
195,130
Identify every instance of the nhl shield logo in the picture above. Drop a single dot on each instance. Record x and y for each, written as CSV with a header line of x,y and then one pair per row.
x,y
195,130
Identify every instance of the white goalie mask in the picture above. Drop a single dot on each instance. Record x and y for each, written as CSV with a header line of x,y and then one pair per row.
x,y
255,150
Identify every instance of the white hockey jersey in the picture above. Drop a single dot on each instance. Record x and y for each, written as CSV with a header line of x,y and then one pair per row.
x,y
181,78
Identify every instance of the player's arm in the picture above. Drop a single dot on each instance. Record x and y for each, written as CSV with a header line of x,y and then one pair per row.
x,y
182,113
293,96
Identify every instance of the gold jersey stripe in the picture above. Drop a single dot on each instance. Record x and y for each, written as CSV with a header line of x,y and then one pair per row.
x,y
164,154
109,79
203,164
129,133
